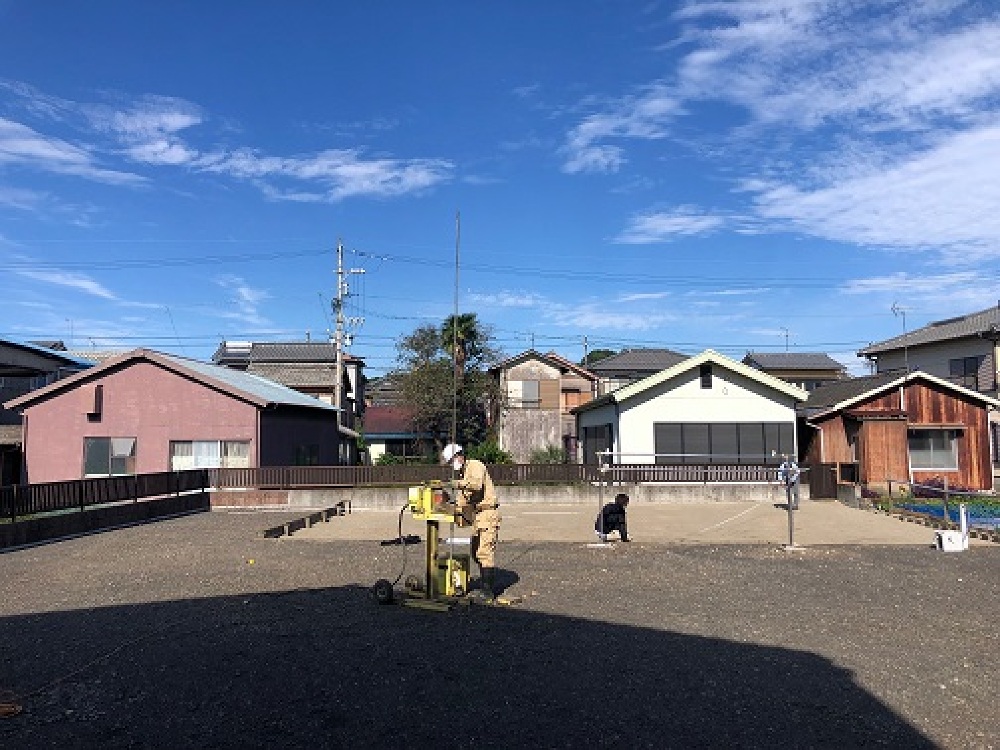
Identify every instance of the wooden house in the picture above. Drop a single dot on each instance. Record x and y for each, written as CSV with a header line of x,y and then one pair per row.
x,y
901,427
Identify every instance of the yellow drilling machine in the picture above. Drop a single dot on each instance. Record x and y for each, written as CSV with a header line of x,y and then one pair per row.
x,y
446,571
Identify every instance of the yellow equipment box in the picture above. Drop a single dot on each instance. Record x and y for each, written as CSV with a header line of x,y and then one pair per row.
x,y
431,502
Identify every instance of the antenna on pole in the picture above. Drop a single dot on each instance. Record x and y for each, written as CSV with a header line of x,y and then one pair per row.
x,y
900,311
454,335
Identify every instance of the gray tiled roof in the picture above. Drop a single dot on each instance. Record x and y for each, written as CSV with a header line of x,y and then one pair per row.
x,y
792,361
272,352
964,326
838,391
296,376
637,360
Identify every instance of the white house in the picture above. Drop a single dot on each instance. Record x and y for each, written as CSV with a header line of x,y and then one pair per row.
x,y
705,409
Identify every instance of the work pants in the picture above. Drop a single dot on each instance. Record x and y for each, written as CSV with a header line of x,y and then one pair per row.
x,y
792,495
484,541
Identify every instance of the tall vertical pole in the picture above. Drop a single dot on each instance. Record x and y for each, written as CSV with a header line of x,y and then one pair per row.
x,y
338,382
454,337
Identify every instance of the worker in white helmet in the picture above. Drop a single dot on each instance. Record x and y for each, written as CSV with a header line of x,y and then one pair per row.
x,y
477,502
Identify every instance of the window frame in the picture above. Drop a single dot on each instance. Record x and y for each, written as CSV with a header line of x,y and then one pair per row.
x,y
952,436
127,461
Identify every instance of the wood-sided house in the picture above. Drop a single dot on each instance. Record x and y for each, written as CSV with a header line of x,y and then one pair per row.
x,y
901,427
147,412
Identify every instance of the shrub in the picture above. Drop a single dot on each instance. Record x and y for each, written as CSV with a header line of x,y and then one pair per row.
x,y
550,454
489,453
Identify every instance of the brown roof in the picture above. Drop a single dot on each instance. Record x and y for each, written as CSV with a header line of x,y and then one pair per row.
x,y
388,420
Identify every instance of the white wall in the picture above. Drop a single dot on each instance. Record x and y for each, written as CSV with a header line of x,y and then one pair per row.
x,y
732,398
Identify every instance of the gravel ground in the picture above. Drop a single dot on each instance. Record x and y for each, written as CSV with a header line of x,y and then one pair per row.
x,y
197,632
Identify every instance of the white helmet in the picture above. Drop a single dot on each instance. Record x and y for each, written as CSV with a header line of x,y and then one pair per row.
x,y
449,452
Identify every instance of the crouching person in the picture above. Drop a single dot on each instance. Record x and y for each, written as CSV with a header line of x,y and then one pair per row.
x,y
612,518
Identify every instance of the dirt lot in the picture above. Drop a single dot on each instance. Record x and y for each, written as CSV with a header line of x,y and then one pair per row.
x,y
197,632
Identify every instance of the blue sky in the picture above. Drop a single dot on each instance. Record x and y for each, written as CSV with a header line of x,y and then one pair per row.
x,y
734,175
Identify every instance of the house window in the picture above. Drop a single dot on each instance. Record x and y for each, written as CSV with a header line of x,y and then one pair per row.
x,y
596,439
964,371
933,449
523,394
705,371
722,442
307,455
209,454
106,457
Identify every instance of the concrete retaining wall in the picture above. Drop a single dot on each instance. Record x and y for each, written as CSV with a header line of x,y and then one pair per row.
x,y
395,497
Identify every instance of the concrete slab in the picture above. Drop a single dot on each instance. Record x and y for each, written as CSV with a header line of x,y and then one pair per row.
x,y
708,523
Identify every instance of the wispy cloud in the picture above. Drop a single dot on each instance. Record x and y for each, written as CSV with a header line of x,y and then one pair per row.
x,y
69,279
245,298
23,146
25,200
342,172
643,296
507,299
665,225
640,116
880,120
944,293
945,197
159,131
149,128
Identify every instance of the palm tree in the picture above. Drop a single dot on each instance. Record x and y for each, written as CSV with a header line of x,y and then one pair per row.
x,y
461,335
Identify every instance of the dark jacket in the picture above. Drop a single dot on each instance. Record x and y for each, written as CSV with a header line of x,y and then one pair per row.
x,y
614,518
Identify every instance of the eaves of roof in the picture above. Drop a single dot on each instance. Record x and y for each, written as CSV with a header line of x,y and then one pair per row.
x,y
983,323
245,386
887,382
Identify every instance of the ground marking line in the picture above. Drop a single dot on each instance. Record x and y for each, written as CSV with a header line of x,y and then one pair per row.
x,y
550,513
722,523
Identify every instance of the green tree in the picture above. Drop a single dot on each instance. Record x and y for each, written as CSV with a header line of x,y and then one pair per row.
x,y
596,356
432,386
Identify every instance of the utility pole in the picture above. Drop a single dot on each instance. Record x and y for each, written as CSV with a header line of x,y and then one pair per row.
x,y
585,362
343,291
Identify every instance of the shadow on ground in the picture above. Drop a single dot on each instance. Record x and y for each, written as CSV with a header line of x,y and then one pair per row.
x,y
330,668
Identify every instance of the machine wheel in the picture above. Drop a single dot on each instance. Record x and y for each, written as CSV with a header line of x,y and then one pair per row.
x,y
383,591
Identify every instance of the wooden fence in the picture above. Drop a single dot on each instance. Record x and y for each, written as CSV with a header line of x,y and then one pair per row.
x,y
33,499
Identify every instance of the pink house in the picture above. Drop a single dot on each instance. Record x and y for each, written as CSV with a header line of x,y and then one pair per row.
x,y
146,412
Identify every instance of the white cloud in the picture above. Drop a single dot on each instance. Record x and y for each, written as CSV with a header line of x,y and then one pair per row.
x,y
643,117
643,296
937,294
25,200
77,281
343,172
149,127
665,225
245,298
22,145
944,197
506,299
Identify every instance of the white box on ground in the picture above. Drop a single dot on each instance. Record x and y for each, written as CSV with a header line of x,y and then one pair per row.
x,y
954,541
